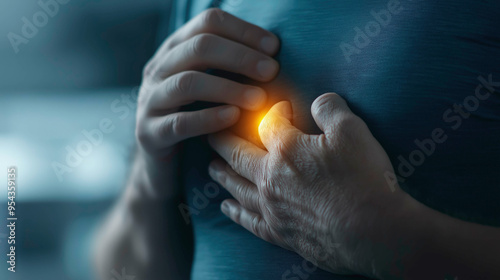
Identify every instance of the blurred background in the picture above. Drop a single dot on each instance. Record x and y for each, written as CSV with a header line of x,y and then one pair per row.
x,y
68,78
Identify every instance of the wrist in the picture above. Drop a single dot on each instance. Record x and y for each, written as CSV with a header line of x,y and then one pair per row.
x,y
156,179
398,238
412,240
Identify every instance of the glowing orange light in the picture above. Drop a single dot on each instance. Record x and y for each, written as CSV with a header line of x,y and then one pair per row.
x,y
260,119
249,125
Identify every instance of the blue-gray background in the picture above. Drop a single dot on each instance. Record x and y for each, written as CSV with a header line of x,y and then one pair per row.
x,y
63,81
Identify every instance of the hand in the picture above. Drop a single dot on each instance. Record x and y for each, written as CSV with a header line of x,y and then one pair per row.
x,y
174,77
322,196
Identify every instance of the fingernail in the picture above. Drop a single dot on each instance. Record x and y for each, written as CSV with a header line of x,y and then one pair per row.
x,y
224,207
228,114
269,44
255,97
267,68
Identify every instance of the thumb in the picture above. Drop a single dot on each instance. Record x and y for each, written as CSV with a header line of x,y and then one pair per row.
x,y
282,109
326,108
276,125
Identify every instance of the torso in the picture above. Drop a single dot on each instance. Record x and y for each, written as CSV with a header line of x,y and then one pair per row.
x,y
427,58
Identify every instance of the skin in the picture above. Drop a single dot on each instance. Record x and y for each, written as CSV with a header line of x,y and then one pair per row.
x,y
325,197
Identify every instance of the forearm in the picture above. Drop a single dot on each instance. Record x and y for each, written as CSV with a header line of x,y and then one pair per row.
x,y
145,232
448,248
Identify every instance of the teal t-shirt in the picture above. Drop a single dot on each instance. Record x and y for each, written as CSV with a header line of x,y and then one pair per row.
x,y
424,76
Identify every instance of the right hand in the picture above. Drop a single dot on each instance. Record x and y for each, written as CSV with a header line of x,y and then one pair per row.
x,y
175,77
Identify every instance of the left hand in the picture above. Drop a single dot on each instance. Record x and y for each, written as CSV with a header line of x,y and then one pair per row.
x,y
322,196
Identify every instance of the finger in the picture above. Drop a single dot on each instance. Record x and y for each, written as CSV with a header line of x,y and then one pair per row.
x,y
230,27
208,51
326,108
244,157
252,221
276,131
240,188
173,128
190,86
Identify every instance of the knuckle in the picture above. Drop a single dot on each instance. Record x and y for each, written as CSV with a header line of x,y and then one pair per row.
x,y
248,34
222,178
141,133
269,190
182,83
210,17
323,143
236,214
147,71
241,189
144,95
176,125
255,225
201,44
242,59
152,71
236,155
